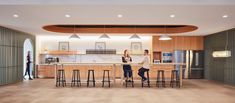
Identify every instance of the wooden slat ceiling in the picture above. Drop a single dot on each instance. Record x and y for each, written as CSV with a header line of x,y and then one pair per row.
x,y
143,29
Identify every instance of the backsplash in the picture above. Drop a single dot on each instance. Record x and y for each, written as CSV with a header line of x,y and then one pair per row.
x,y
91,58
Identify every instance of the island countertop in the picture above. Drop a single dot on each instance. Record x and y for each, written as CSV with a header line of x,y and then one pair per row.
x,y
108,63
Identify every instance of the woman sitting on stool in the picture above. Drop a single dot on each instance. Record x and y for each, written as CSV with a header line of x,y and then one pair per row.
x,y
146,65
127,67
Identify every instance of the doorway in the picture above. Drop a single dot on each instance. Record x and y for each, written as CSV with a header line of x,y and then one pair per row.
x,y
28,47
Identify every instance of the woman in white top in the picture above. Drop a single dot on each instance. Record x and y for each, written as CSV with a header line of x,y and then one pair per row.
x,y
146,65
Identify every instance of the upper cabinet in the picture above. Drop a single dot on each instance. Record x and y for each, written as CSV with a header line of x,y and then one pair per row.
x,y
178,43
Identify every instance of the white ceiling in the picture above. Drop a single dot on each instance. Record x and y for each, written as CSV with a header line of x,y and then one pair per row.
x,y
121,2
207,16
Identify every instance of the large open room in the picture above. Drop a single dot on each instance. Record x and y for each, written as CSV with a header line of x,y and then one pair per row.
x,y
117,51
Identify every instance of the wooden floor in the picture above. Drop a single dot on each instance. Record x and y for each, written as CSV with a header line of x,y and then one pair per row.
x,y
44,91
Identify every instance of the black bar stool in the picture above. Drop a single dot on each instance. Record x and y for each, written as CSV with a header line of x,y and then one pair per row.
x,y
148,82
103,81
76,79
93,77
175,78
60,78
160,78
130,81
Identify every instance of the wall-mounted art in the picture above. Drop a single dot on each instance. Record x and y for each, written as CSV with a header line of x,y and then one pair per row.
x,y
63,46
136,48
167,57
100,46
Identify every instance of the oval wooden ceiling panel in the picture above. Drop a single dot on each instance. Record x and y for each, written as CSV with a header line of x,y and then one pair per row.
x,y
143,29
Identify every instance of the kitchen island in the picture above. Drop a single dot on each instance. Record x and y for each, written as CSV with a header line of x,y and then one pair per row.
x,y
49,70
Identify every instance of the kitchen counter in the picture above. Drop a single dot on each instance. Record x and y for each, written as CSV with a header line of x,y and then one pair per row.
x,y
49,70
108,63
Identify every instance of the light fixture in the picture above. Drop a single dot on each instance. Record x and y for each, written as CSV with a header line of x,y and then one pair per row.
x,y
135,36
74,35
172,16
15,15
218,54
104,36
67,15
225,16
165,36
120,16
224,53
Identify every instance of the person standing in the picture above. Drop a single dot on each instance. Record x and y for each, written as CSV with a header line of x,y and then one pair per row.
x,y
145,65
127,67
27,71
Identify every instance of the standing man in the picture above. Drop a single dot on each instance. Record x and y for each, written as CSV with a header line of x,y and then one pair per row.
x,y
145,65
28,66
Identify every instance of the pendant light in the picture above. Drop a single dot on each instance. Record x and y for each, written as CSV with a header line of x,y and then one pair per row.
x,y
135,36
223,53
104,36
165,36
74,35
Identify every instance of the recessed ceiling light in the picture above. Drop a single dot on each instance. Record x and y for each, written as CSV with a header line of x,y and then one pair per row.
x,y
15,16
225,16
172,16
67,16
120,16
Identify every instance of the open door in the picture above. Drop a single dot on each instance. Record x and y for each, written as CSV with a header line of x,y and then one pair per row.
x,y
28,47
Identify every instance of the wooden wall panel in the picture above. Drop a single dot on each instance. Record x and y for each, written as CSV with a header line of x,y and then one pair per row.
x,y
178,43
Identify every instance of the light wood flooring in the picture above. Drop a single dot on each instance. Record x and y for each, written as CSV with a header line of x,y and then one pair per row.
x,y
44,91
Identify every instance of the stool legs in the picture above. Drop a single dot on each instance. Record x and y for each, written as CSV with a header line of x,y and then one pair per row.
x,y
160,78
60,78
104,78
76,80
93,78
131,81
148,81
63,79
174,79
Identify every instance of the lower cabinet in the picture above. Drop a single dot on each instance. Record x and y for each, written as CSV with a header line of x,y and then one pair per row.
x,y
46,71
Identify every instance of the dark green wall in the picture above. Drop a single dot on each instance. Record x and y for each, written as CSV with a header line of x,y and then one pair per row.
x,y
11,55
220,69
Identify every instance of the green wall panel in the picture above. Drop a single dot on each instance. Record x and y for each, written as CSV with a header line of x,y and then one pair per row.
x,y
11,55
220,69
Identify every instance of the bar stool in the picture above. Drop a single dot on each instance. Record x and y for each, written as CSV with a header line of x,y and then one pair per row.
x,y
103,81
131,81
174,78
148,82
93,77
60,78
76,79
160,78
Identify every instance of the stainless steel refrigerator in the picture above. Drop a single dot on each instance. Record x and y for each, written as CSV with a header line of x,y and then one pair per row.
x,y
194,60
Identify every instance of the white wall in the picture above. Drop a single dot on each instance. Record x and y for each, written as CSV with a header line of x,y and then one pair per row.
x,y
120,43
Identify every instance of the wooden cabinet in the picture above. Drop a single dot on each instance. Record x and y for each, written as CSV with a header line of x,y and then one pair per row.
x,y
178,43
46,71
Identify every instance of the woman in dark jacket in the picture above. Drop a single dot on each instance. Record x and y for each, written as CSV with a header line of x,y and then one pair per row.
x,y
27,71
127,67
